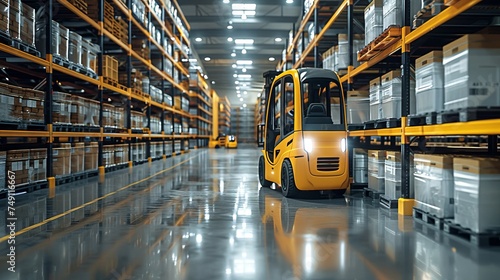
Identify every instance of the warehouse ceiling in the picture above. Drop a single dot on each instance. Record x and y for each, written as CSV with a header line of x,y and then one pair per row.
x,y
226,34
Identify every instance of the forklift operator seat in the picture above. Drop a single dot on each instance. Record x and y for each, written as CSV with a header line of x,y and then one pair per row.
x,y
316,114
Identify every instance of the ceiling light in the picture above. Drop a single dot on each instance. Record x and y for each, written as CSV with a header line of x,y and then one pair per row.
x,y
207,58
198,39
238,91
245,92
244,14
243,41
229,39
237,88
229,27
233,54
236,82
239,95
278,39
289,1
243,17
244,62
235,75
227,1
234,66
244,70
244,76
272,59
244,51
244,105
213,82
246,7
206,76
230,22
258,95
241,99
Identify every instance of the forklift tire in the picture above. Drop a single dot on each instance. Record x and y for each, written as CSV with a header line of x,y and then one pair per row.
x,y
288,187
262,174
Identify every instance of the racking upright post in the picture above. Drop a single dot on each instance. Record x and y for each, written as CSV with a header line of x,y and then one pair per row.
x,y
148,74
129,74
294,49
100,19
174,91
316,32
350,36
162,85
51,181
406,202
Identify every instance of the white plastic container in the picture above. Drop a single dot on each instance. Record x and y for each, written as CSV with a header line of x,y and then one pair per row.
x,y
358,107
476,193
433,177
373,20
376,170
360,166
375,104
429,75
392,175
471,67
393,12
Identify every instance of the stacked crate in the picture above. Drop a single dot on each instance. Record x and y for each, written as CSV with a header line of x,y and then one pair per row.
x,y
121,154
61,108
89,55
391,95
392,178
139,11
470,67
110,69
109,13
476,193
120,29
137,120
107,115
4,16
29,165
375,100
91,156
155,93
78,158
108,155
59,40
393,12
429,75
433,180
80,4
78,110
20,104
358,107
140,46
138,152
374,20
62,160
15,19
27,25
376,170
92,112
155,125
75,48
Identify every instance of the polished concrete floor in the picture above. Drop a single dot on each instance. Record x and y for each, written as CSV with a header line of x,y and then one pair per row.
x,y
203,215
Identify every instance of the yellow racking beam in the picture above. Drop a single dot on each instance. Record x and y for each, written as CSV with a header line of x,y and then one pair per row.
x,y
302,26
80,14
122,6
25,55
23,133
319,36
75,74
376,132
482,127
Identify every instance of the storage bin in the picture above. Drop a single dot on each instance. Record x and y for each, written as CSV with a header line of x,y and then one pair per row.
x,y
374,20
75,48
376,170
393,12
476,193
375,104
358,107
360,166
393,175
471,67
429,77
433,179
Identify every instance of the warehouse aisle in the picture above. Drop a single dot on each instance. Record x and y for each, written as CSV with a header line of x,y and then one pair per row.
x,y
202,216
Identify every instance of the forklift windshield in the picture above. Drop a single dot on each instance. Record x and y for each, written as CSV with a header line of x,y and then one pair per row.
x,y
322,105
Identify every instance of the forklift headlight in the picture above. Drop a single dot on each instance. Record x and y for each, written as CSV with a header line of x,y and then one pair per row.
x,y
308,145
343,145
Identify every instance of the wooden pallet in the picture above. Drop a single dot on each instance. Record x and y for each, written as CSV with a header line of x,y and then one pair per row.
x,y
388,203
80,4
390,36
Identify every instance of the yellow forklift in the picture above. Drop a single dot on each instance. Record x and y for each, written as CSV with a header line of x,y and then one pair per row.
x,y
305,132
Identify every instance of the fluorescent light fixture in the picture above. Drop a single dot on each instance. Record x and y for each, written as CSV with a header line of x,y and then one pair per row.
x,y
243,41
278,39
236,82
227,1
237,88
244,76
192,60
239,95
243,13
289,1
184,60
207,58
244,105
233,54
234,66
237,91
229,39
229,27
272,59
244,62
244,70
235,75
241,99
246,7
198,39
244,51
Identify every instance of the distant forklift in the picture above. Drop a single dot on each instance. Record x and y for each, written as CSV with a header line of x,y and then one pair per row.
x,y
305,132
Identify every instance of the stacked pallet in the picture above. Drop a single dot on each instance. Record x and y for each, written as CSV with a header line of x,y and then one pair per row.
x,y
27,25
62,160
110,70
80,4
120,29
109,13
20,104
61,108
28,164
91,156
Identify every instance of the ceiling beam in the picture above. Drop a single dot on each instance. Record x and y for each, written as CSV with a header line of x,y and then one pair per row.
x,y
253,19
200,47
